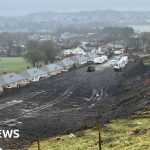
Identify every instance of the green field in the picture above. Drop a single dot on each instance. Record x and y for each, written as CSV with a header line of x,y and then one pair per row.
x,y
12,64
145,58
121,134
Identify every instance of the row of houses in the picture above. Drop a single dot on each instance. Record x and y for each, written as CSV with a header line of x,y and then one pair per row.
x,y
13,80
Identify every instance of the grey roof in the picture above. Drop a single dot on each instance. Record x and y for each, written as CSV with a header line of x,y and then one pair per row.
x,y
65,62
91,55
83,58
88,56
75,59
10,78
33,72
51,68
83,47
79,58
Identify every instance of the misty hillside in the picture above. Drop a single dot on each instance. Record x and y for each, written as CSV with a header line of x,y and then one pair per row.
x,y
51,21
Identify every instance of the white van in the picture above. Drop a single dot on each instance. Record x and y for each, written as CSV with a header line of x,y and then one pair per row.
x,y
100,60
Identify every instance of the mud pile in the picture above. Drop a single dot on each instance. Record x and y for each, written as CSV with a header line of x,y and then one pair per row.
x,y
72,101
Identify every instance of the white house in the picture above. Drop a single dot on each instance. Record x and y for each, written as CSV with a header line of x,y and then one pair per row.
x,y
68,52
79,51
11,80
118,52
52,69
34,74
76,51
99,51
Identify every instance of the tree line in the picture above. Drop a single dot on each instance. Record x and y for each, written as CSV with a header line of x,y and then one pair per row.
x,y
11,43
110,34
139,43
41,52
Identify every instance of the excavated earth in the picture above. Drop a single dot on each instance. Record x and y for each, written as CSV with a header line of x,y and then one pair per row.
x,y
72,101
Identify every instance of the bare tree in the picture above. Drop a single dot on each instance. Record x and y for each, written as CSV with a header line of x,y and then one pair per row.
x,y
34,57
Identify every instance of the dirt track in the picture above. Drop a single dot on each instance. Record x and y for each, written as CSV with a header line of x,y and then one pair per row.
x,y
71,101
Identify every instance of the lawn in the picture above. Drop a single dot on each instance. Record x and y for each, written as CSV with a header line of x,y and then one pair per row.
x,y
12,64
121,134
145,58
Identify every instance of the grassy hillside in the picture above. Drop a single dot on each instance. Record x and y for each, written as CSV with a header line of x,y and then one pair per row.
x,y
144,54
12,64
145,58
121,134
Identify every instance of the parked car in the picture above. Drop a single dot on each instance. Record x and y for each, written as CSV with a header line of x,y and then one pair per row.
x,y
91,69
117,67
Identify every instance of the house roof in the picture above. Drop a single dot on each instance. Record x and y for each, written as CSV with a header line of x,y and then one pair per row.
x,y
79,58
82,58
65,62
83,47
10,78
75,59
51,68
78,49
33,72
91,55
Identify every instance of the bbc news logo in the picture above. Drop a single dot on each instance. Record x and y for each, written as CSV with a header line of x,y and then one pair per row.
x,y
9,134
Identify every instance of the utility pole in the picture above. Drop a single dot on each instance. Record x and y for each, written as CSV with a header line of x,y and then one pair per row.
x,y
114,43
99,136
2,69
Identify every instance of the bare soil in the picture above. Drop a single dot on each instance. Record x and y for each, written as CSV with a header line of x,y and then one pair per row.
x,y
72,101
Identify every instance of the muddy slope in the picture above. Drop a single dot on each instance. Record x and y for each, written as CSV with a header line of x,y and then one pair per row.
x,y
72,101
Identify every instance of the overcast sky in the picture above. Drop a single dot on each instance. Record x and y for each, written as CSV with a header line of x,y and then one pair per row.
x,y
23,7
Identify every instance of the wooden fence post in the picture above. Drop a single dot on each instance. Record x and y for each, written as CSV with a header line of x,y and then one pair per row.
x,y
38,143
99,136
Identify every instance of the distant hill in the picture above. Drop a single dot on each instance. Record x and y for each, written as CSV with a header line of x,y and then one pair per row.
x,y
51,21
